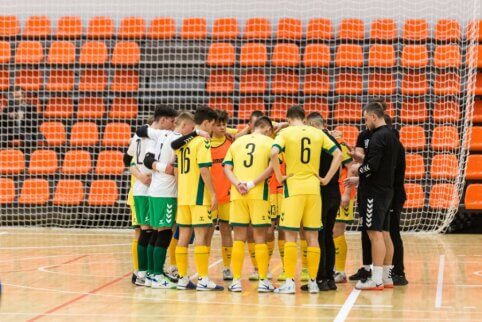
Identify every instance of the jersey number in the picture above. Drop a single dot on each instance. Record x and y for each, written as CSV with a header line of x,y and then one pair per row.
x,y
305,150
185,161
138,151
250,148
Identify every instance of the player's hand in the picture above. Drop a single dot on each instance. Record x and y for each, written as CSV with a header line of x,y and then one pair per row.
x,y
345,201
351,182
145,179
204,134
355,156
214,202
170,169
242,188
323,180
230,136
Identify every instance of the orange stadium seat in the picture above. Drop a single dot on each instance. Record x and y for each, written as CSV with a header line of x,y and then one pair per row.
x,y
476,138
194,28
53,132
447,83
414,83
132,28
415,196
447,56
444,166
478,84
34,192
92,80
60,80
9,26
100,27
413,137
225,29
84,134
69,27
162,28
110,163
447,30
479,56
474,167
103,193
4,79
220,82
317,55
221,55
280,106
29,52
383,29
59,107
69,192
347,110
446,110
93,53
443,196
286,55
382,83
252,82
43,162
348,55
415,56
257,28
319,29
61,52
316,83
317,104
37,27
445,138
477,115
289,29
11,162
472,28
381,56
247,105
222,103
116,134
253,55
123,108
286,82
7,191
351,29
349,83
5,52
415,30
126,53
90,108
415,167
125,81
77,162
472,197
413,110
350,133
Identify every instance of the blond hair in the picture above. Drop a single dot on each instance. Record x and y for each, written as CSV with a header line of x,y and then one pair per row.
x,y
184,117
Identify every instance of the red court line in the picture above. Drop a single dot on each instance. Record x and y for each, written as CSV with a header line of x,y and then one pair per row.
x,y
75,299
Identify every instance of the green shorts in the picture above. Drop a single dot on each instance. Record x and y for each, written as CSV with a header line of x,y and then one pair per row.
x,y
141,204
162,212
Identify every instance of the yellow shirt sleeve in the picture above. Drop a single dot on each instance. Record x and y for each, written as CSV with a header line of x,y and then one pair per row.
x,y
232,131
346,157
328,145
203,156
228,159
279,142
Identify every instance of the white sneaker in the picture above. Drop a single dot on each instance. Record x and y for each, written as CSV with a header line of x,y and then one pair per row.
x,y
254,276
162,282
148,280
368,285
313,287
288,287
388,282
205,284
269,276
141,278
340,277
184,283
265,286
172,273
227,274
235,286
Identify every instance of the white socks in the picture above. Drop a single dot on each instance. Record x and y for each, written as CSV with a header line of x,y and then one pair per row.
x,y
377,274
367,267
386,271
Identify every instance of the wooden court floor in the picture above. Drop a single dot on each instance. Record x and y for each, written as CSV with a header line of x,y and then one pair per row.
x,y
66,275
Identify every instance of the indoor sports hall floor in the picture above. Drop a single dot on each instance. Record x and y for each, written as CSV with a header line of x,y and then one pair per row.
x,y
60,275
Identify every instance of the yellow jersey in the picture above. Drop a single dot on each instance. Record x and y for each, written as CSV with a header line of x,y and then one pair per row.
x,y
250,156
302,146
190,158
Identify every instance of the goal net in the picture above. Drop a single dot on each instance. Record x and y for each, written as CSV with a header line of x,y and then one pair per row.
x,y
76,79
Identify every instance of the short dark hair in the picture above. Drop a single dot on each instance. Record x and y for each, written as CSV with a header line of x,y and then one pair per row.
x,y
296,112
256,113
380,101
223,116
316,116
204,113
263,121
375,107
388,119
164,111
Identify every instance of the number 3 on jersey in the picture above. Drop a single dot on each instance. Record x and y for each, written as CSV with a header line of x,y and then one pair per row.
x,y
250,147
305,150
185,161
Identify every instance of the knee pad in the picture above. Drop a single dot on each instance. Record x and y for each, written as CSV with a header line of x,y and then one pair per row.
x,y
164,238
144,237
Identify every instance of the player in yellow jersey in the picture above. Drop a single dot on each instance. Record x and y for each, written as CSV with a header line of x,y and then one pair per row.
x,y
247,166
196,203
302,146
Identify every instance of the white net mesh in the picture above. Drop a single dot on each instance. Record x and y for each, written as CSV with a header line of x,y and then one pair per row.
x,y
77,78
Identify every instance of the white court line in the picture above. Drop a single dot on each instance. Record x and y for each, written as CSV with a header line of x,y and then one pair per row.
x,y
347,306
356,305
3,233
440,281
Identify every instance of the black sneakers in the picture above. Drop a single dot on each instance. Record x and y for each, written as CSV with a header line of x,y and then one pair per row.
x,y
399,280
362,274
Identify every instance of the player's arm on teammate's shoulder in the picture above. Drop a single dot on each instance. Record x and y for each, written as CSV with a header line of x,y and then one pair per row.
x,y
373,159
146,131
185,139
279,126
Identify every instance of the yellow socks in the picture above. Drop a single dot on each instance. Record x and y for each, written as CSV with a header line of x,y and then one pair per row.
x,y
172,251
270,249
135,262
281,249
237,258
252,254
262,258
340,251
201,257
290,259
227,253
312,260
303,246
181,259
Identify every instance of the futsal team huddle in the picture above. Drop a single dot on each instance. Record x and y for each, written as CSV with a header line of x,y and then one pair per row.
x,y
192,173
